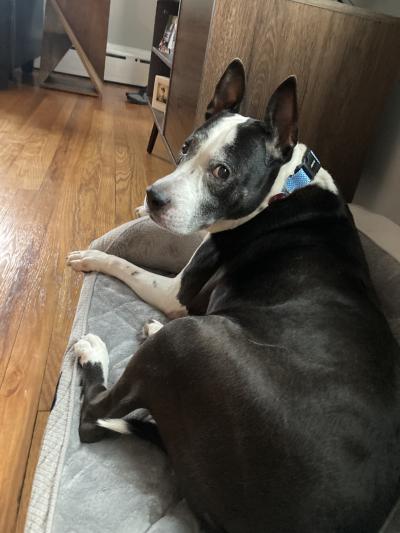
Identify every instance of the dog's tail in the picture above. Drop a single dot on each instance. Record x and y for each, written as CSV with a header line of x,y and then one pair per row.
x,y
134,426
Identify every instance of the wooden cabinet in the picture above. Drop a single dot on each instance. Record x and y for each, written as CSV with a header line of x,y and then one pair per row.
x,y
346,60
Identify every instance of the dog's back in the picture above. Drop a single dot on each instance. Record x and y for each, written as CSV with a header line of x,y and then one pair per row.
x,y
299,379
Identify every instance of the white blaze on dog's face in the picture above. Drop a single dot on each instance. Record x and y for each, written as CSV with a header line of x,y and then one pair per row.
x,y
229,164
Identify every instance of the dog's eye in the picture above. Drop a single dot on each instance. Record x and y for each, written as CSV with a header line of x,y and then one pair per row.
x,y
221,171
185,147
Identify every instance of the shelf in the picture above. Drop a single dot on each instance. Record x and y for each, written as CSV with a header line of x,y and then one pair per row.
x,y
158,118
165,58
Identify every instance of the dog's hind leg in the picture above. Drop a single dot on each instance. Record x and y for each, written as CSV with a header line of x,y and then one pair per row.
x,y
102,403
93,357
133,426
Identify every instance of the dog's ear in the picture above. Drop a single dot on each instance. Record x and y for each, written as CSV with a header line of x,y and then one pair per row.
x,y
229,91
282,115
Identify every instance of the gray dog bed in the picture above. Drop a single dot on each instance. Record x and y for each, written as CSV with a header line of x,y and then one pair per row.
x,y
125,485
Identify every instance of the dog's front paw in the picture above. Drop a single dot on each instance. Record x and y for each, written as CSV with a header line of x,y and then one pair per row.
x,y
88,260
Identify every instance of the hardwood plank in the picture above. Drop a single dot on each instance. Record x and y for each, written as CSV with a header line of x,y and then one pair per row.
x,y
42,138
13,118
6,198
93,160
20,390
91,190
22,236
24,369
20,110
135,168
34,451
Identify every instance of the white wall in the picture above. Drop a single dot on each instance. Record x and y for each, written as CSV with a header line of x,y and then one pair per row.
x,y
132,23
379,187
389,7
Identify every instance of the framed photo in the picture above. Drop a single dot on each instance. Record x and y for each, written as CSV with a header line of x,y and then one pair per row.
x,y
167,42
160,93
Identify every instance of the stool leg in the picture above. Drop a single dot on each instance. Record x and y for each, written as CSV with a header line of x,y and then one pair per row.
x,y
152,139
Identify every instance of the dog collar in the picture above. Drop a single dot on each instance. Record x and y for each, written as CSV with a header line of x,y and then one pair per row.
x,y
303,176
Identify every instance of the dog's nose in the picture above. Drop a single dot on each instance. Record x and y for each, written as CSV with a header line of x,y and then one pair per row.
x,y
156,199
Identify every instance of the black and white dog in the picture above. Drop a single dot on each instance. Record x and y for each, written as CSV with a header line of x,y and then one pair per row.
x,y
277,398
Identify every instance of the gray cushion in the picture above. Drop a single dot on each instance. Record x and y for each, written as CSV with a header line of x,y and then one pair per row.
x,y
125,485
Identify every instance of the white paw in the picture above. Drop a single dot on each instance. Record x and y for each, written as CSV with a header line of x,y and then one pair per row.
x,y
150,328
90,349
140,211
88,260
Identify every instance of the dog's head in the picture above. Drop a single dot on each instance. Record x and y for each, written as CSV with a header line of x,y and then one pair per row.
x,y
229,164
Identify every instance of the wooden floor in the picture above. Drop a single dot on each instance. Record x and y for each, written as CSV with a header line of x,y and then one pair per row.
x,y
71,168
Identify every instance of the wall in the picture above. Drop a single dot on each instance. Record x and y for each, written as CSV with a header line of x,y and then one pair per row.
x,y
132,22
379,187
389,7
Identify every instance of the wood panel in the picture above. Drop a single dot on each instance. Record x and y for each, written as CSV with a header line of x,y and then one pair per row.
x,y
231,36
83,25
191,42
345,64
55,43
76,200
89,23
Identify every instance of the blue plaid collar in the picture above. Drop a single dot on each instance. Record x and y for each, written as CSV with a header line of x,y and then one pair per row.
x,y
303,174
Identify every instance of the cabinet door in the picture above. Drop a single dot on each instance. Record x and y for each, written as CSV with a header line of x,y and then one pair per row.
x,y
190,49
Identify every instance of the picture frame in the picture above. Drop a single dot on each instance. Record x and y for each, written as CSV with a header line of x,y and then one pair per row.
x,y
160,93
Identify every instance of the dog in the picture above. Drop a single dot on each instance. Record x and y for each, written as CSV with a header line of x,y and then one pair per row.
x,y
275,389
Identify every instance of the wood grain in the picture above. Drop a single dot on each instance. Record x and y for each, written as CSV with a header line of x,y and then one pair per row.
x,y
237,21
41,139
194,23
76,170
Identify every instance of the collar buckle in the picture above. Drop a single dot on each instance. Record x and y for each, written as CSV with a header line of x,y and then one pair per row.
x,y
303,174
311,164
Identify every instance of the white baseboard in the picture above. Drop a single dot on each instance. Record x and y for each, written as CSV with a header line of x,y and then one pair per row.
x,y
123,65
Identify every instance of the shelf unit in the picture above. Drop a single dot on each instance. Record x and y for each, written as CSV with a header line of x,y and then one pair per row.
x,y
160,65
